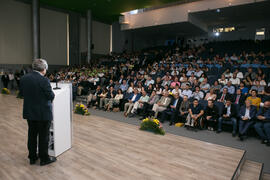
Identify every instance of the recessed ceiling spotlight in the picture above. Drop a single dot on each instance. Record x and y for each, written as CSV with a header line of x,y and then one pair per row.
x,y
217,34
230,4
218,10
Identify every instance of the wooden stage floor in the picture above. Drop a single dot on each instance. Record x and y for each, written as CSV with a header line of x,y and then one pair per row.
x,y
111,150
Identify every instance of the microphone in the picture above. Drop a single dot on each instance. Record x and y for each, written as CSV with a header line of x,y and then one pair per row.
x,y
57,78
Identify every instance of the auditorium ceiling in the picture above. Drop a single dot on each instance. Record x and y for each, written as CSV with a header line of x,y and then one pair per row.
x,y
107,10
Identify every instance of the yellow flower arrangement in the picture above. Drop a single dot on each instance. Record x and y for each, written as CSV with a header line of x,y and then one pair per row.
x,y
81,109
170,93
5,91
153,125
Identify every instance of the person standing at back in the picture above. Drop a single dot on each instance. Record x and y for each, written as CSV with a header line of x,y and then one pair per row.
x,y
37,110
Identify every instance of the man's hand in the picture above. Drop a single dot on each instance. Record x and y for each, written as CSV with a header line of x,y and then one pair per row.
x,y
261,117
244,118
208,117
182,113
225,116
130,101
173,107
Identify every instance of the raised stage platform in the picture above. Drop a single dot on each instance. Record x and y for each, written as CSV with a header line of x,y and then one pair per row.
x,y
107,149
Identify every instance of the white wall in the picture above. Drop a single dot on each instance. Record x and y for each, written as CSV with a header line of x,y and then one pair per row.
x,y
16,34
53,37
100,37
175,14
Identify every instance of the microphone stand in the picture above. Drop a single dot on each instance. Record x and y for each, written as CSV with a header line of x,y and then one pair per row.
x,y
56,81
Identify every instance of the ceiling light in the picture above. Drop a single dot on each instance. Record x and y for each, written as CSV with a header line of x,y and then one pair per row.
x,y
217,34
218,10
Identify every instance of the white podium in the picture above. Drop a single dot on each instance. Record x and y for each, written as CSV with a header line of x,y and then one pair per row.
x,y
61,127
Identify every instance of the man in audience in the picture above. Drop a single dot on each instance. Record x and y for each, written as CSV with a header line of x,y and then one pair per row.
x,y
239,98
172,110
255,101
147,106
186,92
205,86
230,87
247,116
194,118
235,80
257,87
228,116
131,101
92,98
197,94
124,85
149,81
211,115
223,96
139,104
263,125
184,107
162,104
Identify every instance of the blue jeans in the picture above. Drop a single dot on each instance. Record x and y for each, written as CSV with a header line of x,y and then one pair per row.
x,y
244,126
232,121
263,129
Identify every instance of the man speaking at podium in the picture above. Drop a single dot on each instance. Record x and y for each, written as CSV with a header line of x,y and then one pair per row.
x,y
37,109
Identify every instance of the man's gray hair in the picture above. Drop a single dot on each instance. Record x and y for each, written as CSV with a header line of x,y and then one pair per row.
x,y
39,65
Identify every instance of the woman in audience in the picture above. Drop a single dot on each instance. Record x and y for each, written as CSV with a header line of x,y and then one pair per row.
x,y
210,95
260,73
203,76
158,89
131,88
166,89
115,101
183,78
227,73
244,90
102,96
149,89
175,82
216,87
176,90
261,80
192,78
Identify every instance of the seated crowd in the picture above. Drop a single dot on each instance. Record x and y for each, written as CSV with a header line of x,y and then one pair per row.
x,y
198,87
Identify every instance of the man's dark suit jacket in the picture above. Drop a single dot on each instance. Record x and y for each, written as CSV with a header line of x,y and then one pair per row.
x,y
177,105
252,111
38,97
241,99
233,111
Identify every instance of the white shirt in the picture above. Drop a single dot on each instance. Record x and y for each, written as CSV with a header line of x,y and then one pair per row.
x,y
247,113
240,75
134,97
228,111
235,81
187,93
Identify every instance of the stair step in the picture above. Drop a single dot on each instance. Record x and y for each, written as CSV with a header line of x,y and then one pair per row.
x,y
251,170
266,176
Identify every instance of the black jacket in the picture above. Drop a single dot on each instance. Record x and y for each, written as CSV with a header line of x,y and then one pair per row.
x,y
233,111
177,105
38,97
211,112
241,99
